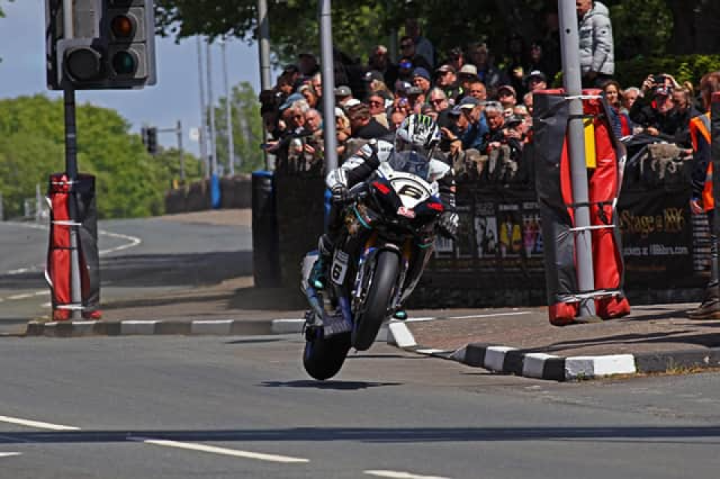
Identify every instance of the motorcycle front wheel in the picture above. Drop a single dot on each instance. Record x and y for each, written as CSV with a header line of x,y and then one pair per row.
x,y
323,357
377,301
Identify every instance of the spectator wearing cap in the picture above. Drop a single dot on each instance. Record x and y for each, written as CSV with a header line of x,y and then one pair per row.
x,y
536,80
507,96
456,58
407,49
655,111
376,105
423,46
472,109
342,95
416,98
446,79
466,75
597,54
379,60
363,125
422,80
372,80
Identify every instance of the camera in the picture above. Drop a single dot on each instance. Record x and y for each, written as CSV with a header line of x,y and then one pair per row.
x,y
659,79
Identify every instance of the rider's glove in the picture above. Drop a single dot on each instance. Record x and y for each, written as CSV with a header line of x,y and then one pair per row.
x,y
449,224
339,193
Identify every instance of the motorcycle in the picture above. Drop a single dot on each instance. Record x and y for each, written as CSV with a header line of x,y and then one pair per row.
x,y
390,225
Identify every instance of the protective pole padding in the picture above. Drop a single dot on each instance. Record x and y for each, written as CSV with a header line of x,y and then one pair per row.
x,y
58,270
554,188
715,153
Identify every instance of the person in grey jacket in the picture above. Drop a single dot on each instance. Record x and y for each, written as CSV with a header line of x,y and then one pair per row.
x,y
597,62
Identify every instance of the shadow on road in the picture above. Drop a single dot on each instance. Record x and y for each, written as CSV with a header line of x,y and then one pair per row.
x,y
334,385
638,434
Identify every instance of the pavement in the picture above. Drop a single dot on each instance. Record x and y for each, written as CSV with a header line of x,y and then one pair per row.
x,y
520,341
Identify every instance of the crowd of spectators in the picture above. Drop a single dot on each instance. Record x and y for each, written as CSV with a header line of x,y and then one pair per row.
x,y
482,101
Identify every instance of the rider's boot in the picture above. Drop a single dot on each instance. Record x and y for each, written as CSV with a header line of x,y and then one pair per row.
x,y
318,275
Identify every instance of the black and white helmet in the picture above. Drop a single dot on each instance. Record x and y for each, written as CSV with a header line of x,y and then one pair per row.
x,y
418,133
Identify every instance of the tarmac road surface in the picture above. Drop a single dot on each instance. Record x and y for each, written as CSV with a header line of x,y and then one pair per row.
x,y
241,407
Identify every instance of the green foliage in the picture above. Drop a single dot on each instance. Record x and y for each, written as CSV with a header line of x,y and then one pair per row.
x,y
247,129
682,67
129,181
642,27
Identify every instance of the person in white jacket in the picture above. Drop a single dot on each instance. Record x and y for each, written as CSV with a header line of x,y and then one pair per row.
x,y
597,58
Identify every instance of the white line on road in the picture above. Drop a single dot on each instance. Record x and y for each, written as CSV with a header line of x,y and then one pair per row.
x,y
37,424
219,450
400,475
20,296
10,454
518,313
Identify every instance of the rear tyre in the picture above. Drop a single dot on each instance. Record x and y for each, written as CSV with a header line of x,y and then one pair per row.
x,y
378,300
323,357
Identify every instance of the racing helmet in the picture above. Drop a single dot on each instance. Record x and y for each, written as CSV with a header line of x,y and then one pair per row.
x,y
417,133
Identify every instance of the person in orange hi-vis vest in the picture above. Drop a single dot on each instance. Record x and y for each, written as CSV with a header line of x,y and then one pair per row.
x,y
702,199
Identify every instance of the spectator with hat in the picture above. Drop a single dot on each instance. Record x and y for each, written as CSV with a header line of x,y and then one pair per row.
x,y
422,80
342,95
536,80
466,75
655,111
447,80
473,110
456,58
507,96
362,123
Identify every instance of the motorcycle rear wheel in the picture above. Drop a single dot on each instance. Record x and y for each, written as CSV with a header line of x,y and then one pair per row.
x,y
377,301
323,357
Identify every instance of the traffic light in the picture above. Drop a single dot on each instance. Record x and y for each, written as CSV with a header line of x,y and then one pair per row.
x,y
112,45
149,139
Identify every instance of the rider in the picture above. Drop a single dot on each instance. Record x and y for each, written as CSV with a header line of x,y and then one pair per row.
x,y
417,133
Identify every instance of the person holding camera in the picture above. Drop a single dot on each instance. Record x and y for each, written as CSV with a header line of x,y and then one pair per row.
x,y
655,111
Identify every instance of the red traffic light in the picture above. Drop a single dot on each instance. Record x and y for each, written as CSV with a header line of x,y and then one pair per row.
x,y
122,26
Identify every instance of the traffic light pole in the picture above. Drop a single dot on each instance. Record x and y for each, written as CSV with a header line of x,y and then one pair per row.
x,y
71,170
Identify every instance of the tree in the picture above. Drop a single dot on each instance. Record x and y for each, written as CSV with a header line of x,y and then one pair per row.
x,y
129,181
247,128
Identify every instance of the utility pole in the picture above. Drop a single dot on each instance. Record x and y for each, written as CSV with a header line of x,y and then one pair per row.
x,y
570,41
264,50
211,112
328,83
71,170
203,122
181,153
228,114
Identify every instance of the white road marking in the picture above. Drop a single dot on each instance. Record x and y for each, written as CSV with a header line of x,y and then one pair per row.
x,y
37,424
18,271
400,475
518,313
20,296
134,241
219,450
10,454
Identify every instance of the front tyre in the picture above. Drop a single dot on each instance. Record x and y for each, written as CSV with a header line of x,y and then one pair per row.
x,y
377,301
323,357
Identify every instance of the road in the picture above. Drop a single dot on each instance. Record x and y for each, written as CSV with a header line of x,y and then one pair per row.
x,y
138,258
242,407
178,407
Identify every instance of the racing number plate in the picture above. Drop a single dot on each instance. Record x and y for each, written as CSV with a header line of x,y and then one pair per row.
x,y
339,267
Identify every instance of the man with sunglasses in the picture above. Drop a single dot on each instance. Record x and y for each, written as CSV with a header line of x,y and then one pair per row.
x,y
447,80
407,49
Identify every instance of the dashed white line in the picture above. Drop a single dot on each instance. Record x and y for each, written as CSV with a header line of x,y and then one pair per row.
x,y
219,450
10,454
518,313
37,424
400,475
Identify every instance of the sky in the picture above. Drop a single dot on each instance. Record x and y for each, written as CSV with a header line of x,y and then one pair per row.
x,y
176,96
